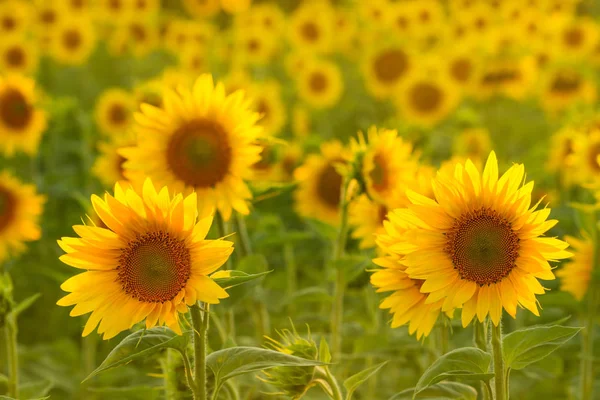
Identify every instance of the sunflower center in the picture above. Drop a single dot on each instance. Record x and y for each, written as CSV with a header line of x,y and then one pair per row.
x,y
461,70
8,23
329,186
7,208
318,82
379,175
382,213
72,39
573,37
199,153
77,4
565,83
15,57
593,153
48,17
114,4
117,114
310,31
390,65
154,267
426,97
253,45
137,32
14,110
483,247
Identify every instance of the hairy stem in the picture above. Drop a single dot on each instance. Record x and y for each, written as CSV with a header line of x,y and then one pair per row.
x,y
10,330
499,373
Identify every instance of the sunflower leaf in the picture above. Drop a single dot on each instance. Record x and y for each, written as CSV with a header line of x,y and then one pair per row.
x,y
25,304
352,383
439,391
236,278
526,346
141,344
466,364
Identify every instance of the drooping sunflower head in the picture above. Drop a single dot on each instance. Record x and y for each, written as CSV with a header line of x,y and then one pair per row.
x,y
576,273
206,143
321,84
73,40
20,211
114,111
150,262
320,183
478,245
22,121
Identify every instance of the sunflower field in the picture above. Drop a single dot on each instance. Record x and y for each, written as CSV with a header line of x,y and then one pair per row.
x,y
299,199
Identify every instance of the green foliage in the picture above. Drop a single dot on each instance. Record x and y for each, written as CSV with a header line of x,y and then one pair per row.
x,y
440,391
238,278
352,383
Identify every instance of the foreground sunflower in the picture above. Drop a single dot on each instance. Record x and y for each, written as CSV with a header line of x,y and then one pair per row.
x,y
576,274
150,262
201,140
477,246
22,122
20,210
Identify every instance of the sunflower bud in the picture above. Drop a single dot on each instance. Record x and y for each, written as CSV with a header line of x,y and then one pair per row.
x,y
292,381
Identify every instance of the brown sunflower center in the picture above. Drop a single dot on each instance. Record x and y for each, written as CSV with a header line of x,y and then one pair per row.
x,y
114,4
199,153
573,37
15,112
154,267
253,45
117,114
593,153
426,97
382,213
390,65
483,247
72,39
48,17
15,56
77,4
310,31
500,76
565,83
379,175
329,186
461,70
318,82
138,33
8,23
8,207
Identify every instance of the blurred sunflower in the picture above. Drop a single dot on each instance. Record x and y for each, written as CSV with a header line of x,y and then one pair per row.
x,y
108,167
73,41
114,110
578,38
237,79
202,8
77,7
22,122
513,78
138,37
402,19
149,92
235,6
194,61
576,273
376,13
18,57
20,211
384,68
584,157
114,11
462,67
560,157
48,15
203,140
426,99
428,16
407,303
255,46
346,30
321,84
366,216
478,245
320,183
143,265
564,87
269,104
473,143
269,16
146,8
311,27
15,16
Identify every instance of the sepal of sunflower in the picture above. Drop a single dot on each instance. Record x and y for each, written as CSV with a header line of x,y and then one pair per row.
x,y
292,381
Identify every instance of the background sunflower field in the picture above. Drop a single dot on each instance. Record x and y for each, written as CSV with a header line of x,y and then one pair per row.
x,y
342,147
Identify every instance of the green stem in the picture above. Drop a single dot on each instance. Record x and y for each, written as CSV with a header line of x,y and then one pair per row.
x,y
499,373
323,373
10,329
480,340
200,323
187,367
340,281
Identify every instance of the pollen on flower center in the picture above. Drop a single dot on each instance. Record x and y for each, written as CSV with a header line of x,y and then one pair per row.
x,y
154,267
199,153
14,110
483,247
329,186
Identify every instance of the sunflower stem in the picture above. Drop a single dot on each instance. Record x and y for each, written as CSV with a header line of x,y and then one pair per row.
x,y
499,373
340,282
480,340
323,373
10,330
200,320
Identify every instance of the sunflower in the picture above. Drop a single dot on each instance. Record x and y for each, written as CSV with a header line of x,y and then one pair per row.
x,y
269,104
201,8
402,19
426,99
139,37
18,57
366,216
321,84
473,143
509,77
151,262
478,245
576,274
388,164
407,303
254,46
311,27
14,17
384,68
149,92
108,167
578,38
560,158
584,157
346,31
115,11
202,140
563,87
20,210
376,13
73,41
194,61
48,16
235,6
462,66
22,122
146,8
114,110
269,16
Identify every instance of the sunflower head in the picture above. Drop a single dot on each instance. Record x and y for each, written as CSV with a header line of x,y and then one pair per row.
x,y
151,261
576,274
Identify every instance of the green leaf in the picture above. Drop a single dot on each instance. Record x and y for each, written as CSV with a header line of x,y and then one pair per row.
x,y
237,278
440,391
352,383
467,363
324,353
25,304
526,346
35,389
142,344
228,363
